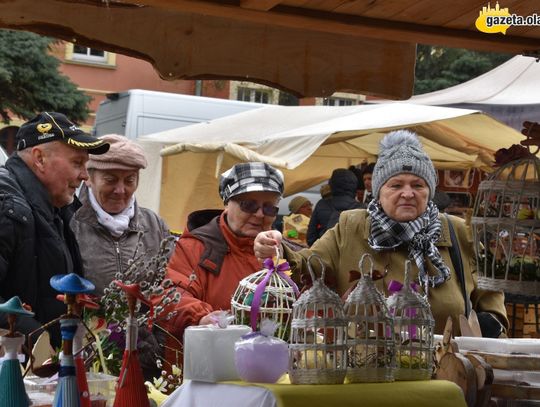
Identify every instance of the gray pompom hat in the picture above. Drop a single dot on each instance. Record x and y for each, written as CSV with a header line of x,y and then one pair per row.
x,y
401,153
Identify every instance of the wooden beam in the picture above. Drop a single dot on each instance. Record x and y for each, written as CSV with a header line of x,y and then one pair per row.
x,y
263,5
356,26
183,45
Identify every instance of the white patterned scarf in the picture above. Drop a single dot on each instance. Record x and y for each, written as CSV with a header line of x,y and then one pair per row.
x,y
420,235
116,224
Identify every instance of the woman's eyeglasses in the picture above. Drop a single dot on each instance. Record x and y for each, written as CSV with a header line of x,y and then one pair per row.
x,y
250,206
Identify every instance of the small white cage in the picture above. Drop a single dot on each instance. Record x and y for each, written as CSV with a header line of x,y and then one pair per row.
x,y
506,228
317,345
279,294
371,345
413,331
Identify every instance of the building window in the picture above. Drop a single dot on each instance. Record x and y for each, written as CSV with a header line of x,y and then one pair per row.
x,y
86,55
254,95
338,102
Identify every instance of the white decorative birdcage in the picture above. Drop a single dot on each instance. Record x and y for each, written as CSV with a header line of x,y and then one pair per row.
x,y
413,332
370,342
275,293
317,345
506,229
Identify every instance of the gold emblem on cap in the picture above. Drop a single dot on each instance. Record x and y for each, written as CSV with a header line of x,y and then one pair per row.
x,y
44,127
83,144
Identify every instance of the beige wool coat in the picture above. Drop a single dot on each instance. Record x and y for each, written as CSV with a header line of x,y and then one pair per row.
x,y
342,247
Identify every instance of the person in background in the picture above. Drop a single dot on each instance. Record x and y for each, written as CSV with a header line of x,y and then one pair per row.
x,y
357,170
343,184
325,191
301,205
402,223
112,228
213,256
367,175
295,224
442,200
37,196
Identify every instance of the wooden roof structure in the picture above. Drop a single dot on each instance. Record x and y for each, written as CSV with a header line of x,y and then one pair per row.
x,y
306,47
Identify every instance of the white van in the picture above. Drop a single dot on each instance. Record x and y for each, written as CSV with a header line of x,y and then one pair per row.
x,y
139,112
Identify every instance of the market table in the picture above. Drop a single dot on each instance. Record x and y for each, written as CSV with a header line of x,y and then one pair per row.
x,y
239,394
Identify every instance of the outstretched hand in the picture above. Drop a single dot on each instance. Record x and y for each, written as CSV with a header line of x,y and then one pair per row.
x,y
266,243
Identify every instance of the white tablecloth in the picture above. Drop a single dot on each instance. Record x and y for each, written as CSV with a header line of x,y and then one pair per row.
x,y
201,394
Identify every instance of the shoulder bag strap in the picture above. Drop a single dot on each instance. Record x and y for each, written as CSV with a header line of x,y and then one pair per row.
x,y
457,263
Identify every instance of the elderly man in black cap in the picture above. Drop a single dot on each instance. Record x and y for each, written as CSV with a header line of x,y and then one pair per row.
x,y
37,187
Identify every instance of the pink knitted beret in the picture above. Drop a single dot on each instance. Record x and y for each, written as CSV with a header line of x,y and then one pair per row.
x,y
123,154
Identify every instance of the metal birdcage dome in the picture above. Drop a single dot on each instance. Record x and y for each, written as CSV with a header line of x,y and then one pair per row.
x,y
278,293
506,229
413,332
317,345
371,345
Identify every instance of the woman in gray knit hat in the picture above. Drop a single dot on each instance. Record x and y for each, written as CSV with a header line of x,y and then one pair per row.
x,y
401,223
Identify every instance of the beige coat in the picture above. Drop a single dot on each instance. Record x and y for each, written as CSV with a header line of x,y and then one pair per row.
x,y
342,247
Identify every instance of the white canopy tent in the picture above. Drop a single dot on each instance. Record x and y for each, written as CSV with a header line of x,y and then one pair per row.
x,y
510,92
307,143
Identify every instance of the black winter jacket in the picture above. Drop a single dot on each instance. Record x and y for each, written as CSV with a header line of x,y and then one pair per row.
x,y
35,244
323,217
326,213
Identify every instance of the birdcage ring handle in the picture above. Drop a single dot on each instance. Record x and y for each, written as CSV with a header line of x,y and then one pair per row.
x,y
362,263
310,268
407,277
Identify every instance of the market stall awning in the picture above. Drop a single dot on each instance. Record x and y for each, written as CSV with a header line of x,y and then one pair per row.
x,y
308,47
307,143
509,92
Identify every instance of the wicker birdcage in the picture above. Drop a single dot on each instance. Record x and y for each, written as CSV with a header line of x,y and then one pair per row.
x,y
371,345
413,331
317,345
506,229
275,293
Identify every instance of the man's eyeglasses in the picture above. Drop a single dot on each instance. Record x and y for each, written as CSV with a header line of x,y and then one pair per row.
x,y
250,206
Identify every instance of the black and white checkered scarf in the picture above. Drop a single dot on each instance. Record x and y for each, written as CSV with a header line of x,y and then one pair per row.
x,y
420,235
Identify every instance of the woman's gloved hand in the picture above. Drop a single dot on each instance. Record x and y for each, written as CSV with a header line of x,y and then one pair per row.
x,y
490,326
149,351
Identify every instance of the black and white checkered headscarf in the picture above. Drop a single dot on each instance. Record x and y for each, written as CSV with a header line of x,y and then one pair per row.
x,y
420,235
250,177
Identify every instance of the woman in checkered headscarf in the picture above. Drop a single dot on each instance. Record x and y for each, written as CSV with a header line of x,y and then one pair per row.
x,y
401,223
217,250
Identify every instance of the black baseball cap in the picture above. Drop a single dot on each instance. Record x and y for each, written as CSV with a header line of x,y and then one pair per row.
x,y
52,126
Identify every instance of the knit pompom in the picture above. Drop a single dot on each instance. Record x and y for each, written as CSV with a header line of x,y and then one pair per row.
x,y
401,153
400,138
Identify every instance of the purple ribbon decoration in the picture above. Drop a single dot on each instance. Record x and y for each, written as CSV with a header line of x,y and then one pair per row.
x,y
280,270
394,287
251,335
